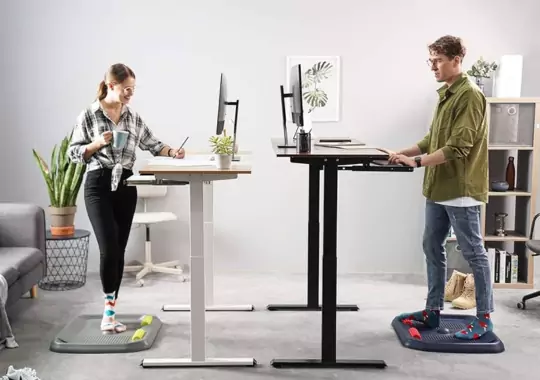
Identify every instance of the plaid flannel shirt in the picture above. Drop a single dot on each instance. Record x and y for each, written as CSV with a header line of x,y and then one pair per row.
x,y
92,122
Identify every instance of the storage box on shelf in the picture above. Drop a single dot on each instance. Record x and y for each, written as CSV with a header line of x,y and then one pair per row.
x,y
514,136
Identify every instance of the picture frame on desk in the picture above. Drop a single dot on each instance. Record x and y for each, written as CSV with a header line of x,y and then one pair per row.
x,y
321,81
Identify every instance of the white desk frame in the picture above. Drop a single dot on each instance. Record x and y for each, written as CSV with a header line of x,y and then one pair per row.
x,y
208,199
198,232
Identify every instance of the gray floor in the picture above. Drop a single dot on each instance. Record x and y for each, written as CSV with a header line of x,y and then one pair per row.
x,y
266,335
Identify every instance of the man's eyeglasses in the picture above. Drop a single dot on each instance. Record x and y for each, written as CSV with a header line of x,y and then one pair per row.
x,y
432,62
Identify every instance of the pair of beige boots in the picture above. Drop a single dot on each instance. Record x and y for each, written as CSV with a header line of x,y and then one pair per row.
x,y
460,291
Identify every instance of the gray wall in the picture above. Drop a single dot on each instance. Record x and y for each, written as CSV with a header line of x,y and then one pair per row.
x,y
55,53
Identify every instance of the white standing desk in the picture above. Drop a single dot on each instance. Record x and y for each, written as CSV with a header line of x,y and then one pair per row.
x,y
200,179
208,199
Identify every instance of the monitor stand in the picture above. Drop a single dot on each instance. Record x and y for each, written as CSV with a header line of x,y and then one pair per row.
x,y
287,143
236,105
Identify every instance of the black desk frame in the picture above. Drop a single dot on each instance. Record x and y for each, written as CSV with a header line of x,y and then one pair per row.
x,y
313,248
331,166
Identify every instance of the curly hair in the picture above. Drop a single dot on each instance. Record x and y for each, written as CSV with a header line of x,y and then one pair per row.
x,y
449,46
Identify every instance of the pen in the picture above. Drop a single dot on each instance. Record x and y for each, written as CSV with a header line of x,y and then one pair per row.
x,y
181,146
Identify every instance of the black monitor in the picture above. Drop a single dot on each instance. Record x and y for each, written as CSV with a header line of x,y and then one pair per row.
x,y
222,105
297,105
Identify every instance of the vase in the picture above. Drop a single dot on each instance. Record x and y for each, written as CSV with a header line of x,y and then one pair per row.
x,y
480,83
223,161
511,174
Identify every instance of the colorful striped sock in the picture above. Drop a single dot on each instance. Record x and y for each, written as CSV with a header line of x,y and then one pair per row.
x,y
109,322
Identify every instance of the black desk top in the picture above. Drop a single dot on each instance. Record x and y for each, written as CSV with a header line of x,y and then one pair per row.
x,y
318,152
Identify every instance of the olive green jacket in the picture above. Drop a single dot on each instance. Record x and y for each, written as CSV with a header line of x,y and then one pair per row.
x,y
460,130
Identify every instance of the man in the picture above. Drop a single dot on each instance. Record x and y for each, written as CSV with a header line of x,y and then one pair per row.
x,y
454,154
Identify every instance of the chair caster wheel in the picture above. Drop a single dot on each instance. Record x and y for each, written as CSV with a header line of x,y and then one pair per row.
x,y
140,283
521,305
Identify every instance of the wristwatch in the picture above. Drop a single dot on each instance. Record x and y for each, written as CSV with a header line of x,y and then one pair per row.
x,y
418,161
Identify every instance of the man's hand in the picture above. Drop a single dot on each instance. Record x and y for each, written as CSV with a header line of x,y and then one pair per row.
x,y
402,159
387,151
391,155
178,153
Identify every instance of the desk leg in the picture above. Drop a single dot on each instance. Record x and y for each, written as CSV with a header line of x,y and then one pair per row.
x,y
329,307
209,258
198,318
313,252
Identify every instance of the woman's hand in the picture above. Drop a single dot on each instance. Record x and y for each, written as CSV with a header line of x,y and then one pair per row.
x,y
178,153
104,139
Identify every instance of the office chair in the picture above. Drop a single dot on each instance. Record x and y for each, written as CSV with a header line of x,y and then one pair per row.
x,y
534,246
147,218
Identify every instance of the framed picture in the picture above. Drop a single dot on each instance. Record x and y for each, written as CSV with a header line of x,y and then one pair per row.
x,y
320,85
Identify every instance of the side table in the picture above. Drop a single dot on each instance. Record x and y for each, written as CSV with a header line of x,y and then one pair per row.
x,y
67,261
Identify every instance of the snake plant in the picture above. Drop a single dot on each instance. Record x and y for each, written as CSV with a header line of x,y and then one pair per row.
x,y
63,178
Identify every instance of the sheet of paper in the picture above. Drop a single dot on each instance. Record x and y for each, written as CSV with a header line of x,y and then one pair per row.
x,y
141,179
187,161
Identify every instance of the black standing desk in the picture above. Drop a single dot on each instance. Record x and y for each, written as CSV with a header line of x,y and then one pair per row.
x,y
331,160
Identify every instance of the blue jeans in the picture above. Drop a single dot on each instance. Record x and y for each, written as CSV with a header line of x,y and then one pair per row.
x,y
466,224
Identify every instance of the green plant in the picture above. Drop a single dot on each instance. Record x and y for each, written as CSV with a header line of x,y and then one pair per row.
x,y
482,68
63,178
222,144
316,97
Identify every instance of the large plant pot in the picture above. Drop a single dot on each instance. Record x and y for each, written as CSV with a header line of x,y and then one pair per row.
x,y
62,220
223,161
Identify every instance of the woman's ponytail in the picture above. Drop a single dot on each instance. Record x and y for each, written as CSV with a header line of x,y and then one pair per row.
x,y
102,90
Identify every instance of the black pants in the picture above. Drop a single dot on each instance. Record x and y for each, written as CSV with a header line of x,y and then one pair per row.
x,y
111,216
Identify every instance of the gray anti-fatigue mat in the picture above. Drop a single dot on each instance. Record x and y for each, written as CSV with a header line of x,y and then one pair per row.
x,y
83,335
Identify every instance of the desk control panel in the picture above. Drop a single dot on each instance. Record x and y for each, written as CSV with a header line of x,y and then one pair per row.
x,y
151,180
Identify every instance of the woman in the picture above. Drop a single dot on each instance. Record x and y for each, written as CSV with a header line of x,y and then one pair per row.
x,y
110,204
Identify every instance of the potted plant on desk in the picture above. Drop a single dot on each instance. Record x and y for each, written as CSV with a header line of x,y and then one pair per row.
x,y
63,180
222,147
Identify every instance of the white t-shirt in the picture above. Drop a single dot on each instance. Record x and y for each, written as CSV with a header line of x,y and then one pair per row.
x,y
461,202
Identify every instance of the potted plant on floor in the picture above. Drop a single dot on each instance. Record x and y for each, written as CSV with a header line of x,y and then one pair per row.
x,y
222,147
63,180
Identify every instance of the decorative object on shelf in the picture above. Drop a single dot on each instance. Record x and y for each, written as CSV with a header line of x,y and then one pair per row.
x,y
508,77
511,173
499,186
320,85
481,70
500,224
63,180
222,147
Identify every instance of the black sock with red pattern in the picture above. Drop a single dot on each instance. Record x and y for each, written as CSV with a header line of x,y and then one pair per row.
x,y
481,325
430,318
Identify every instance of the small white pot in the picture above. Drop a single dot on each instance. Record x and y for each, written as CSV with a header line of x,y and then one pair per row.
x,y
223,161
